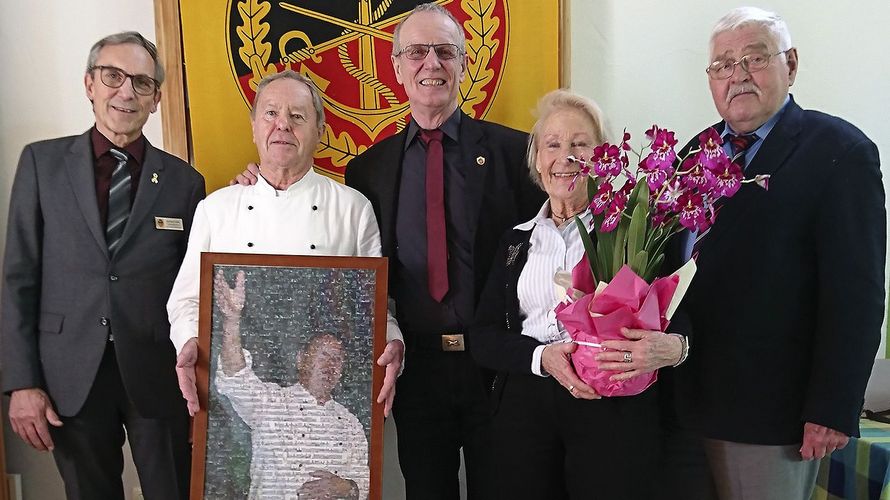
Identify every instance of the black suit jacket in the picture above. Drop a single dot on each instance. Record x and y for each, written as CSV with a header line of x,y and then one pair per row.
x,y
62,291
501,191
787,304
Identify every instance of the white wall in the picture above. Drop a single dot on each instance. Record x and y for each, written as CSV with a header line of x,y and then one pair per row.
x,y
43,53
644,61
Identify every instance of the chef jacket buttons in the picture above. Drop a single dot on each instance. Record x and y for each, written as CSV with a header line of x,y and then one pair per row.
x,y
250,244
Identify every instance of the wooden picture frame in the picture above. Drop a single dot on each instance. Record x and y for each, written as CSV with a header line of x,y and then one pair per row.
x,y
303,326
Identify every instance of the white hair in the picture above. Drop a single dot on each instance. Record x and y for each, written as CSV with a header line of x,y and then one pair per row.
x,y
753,16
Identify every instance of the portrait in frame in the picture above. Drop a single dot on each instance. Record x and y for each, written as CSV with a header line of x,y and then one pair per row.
x,y
287,379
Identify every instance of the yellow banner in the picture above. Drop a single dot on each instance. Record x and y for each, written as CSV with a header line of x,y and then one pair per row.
x,y
345,46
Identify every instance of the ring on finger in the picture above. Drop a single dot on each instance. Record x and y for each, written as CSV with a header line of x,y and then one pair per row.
x,y
628,357
571,388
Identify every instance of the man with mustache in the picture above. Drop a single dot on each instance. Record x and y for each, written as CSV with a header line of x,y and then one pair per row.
x,y
786,307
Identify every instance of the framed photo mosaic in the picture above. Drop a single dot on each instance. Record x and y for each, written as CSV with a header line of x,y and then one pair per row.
x,y
286,377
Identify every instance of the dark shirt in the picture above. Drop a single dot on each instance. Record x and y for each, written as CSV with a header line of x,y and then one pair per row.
x,y
417,312
104,163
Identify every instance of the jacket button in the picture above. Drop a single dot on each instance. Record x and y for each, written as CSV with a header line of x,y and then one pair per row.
x,y
250,244
314,207
103,321
113,277
312,247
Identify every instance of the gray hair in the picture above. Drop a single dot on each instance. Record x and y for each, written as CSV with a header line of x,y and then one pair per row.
x,y
122,38
741,17
460,39
293,75
560,100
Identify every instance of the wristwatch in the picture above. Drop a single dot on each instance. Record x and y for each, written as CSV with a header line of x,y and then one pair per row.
x,y
684,352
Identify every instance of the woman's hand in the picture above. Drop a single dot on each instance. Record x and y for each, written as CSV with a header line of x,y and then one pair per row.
x,y
644,351
555,360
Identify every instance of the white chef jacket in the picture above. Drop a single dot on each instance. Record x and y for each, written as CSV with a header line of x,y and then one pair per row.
x,y
313,216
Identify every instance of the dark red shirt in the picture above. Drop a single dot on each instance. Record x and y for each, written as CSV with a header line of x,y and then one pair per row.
x,y
104,163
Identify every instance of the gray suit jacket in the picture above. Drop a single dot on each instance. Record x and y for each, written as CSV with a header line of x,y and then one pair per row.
x,y
62,291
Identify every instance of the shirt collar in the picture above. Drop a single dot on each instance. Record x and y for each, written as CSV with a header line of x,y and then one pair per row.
x,y
767,126
543,218
310,179
101,146
451,128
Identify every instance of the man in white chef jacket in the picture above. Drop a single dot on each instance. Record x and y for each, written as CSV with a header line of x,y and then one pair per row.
x,y
290,210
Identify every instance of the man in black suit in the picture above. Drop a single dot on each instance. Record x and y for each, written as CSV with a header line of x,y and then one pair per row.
x,y
787,304
97,230
441,404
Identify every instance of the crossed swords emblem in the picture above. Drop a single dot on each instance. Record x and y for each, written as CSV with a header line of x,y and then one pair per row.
x,y
370,116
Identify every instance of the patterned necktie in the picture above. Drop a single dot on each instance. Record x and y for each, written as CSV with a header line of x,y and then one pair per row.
x,y
740,145
118,201
437,250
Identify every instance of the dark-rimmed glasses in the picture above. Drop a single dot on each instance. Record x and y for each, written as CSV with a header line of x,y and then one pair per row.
x,y
418,51
115,77
722,69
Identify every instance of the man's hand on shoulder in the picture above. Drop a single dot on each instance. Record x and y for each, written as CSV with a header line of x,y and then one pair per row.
x,y
391,358
185,373
819,441
29,412
247,178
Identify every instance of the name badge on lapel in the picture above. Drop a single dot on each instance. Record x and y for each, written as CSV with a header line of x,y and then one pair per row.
x,y
169,224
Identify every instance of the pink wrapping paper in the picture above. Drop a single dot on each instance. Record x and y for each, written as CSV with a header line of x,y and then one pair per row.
x,y
627,302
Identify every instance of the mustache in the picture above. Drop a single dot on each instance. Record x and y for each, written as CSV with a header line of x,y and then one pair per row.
x,y
741,89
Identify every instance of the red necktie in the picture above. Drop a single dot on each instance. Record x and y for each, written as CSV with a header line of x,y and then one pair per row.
x,y
437,250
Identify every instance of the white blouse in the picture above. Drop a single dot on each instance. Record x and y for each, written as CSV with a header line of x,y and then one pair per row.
x,y
551,249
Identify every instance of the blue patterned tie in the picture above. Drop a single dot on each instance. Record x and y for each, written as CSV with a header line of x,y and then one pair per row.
x,y
118,201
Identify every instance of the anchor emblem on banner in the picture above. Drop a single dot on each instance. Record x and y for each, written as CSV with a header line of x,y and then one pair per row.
x,y
345,47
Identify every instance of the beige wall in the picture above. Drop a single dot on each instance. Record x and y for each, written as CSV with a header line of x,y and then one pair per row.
x,y
642,60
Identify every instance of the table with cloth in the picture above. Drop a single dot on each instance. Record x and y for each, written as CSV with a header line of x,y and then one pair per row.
x,y
861,470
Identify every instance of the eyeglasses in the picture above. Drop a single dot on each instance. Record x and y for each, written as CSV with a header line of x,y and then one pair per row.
x,y
722,69
115,77
418,51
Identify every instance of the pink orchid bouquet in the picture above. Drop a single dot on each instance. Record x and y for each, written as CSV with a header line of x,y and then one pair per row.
x,y
615,285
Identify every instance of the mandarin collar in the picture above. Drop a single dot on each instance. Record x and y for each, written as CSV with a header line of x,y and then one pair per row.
x,y
308,181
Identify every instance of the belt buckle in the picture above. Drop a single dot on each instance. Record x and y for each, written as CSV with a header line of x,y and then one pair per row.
x,y
453,342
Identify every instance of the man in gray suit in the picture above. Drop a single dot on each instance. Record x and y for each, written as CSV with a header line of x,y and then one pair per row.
x,y
97,230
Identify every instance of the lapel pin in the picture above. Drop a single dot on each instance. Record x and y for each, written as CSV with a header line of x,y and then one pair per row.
x,y
154,178
480,160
